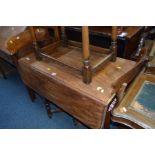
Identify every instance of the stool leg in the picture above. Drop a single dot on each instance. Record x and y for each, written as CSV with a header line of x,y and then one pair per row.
x,y
48,108
31,94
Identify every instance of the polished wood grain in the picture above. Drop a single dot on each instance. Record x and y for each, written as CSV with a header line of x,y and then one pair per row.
x,y
73,54
87,69
15,43
90,104
6,32
64,36
114,43
65,88
131,116
126,78
85,42
35,43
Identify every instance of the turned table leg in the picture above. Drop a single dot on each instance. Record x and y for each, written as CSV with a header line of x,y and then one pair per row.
x,y
107,121
48,108
87,71
31,94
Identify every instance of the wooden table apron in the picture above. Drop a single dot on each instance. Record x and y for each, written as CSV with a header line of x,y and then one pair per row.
x,y
75,99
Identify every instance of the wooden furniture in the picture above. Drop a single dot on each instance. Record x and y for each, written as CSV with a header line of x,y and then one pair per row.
x,y
85,59
12,41
62,86
137,110
90,104
16,44
127,42
6,32
14,38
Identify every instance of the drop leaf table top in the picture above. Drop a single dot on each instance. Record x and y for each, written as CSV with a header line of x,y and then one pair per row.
x,y
64,87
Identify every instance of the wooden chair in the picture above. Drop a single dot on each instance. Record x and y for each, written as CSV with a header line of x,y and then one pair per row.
x,y
83,58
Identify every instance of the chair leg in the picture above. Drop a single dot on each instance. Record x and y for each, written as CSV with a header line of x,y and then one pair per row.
x,y
31,94
3,73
